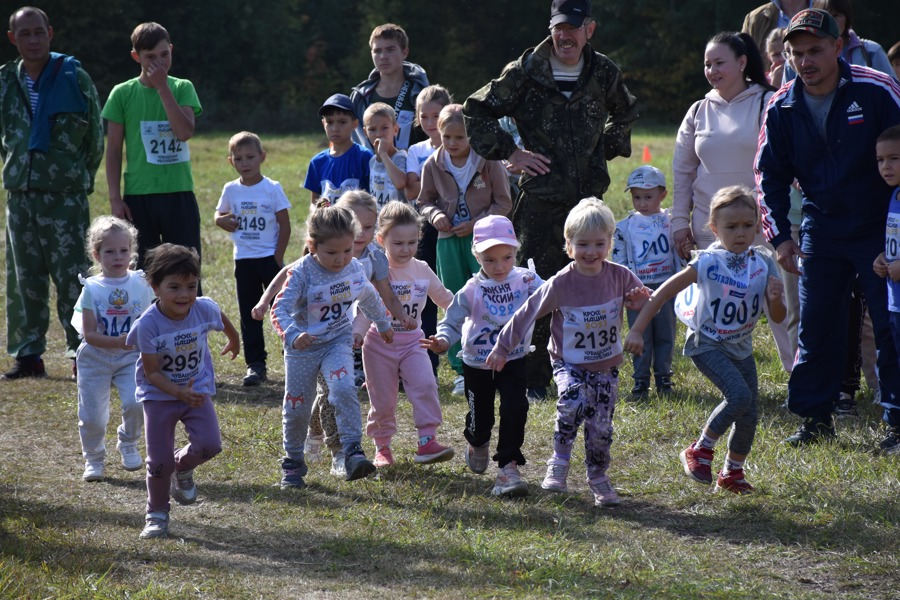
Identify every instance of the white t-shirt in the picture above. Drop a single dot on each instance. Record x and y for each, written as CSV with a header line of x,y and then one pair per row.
x,y
463,175
417,155
255,207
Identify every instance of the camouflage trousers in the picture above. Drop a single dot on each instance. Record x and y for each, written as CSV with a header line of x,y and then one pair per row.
x,y
539,227
44,240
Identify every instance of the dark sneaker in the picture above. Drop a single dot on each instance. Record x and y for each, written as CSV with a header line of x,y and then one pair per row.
x,y
292,472
664,385
891,443
640,391
811,431
356,464
538,394
156,525
183,488
845,407
697,462
74,370
255,376
733,482
27,366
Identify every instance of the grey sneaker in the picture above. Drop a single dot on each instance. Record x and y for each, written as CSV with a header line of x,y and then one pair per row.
x,y
131,456
357,465
339,464
292,472
93,471
604,493
557,473
509,483
156,525
477,457
183,489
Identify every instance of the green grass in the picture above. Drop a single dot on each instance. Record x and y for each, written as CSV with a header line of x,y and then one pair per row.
x,y
824,520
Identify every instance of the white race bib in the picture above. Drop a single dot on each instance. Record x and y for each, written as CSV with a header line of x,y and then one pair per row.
x,y
181,355
256,222
892,237
412,295
651,248
591,333
160,144
329,306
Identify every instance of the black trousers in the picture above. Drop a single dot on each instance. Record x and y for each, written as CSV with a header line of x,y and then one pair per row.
x,y
252,276
481,387
427,251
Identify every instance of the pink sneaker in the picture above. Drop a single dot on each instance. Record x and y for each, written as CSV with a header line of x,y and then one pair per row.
x,y
433,452
557,473
697,463
383,457
733,482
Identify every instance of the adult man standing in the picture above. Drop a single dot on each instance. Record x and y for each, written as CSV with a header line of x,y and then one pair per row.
x,y
573,113
821,129
51,143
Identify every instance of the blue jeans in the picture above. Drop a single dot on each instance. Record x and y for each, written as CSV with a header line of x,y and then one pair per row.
x,y
659,344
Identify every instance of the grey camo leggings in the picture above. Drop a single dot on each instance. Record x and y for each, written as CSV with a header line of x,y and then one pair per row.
x,y
737,381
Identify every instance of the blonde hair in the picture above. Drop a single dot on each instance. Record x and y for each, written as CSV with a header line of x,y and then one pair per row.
x,y
734,195
396,213
101,228
591,214
330,222
379,109
433,93
358,199
450,114
244,138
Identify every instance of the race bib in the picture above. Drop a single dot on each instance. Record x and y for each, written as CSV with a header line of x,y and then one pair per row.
x,y
329,306
160,144
256,220
892,237
651,248
412,295
591,333
332,192
181,355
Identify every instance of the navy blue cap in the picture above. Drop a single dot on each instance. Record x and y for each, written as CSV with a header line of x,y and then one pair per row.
x,y
341,101
573,12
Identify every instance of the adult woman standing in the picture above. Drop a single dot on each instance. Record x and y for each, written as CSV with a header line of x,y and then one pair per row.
x,y
716,145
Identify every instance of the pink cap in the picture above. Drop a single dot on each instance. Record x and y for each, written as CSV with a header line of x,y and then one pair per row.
x,y
493,230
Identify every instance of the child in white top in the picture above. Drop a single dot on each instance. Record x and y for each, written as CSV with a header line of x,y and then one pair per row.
x,y
479,310
313,315
643,243
176,380
387,169
254,210
586,301
109,303
725,288
412,281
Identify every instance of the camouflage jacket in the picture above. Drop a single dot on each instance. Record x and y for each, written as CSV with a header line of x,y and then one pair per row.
x,y
578,134
76,139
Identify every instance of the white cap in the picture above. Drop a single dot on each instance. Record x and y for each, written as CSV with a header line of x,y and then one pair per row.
x,y
646,177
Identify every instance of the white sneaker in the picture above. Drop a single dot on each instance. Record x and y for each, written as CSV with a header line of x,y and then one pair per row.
x,y
131,457
312,448
509,483
93,471
183,489
338,465
156,525
459,386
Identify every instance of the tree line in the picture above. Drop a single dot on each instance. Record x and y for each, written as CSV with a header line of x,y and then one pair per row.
x,y
268,66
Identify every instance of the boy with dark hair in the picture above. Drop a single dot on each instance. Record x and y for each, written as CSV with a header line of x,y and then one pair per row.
x,y
344,165
393,81
153,116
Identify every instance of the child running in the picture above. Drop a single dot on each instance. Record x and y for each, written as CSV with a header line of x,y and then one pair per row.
x,y
586,301
412,281
175,379
312,314
109,303
725,287
479,310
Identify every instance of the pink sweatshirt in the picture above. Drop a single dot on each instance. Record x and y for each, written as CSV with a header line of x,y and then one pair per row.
x,y
586,321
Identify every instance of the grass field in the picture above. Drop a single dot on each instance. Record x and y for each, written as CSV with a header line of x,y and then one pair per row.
x,y
823,522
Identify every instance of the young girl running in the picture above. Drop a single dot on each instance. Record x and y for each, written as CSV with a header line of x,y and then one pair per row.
x,y
175,379
586,300
312,314
459,188
479,310
412,281
725,287
429,104
109,303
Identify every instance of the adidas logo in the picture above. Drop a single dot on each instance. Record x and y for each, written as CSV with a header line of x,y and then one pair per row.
x,y
854,108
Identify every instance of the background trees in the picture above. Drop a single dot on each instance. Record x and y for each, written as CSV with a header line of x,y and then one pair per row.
x,y
269,65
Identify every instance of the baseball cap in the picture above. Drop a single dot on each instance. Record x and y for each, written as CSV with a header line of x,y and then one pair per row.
x,y
341,101
646,177
815,21
572,12
493,230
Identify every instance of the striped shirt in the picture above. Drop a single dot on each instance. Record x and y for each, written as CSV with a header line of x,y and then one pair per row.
x,y
566,76
32,93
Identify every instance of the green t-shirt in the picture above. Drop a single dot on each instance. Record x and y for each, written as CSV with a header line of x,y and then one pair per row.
x,y
155,161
